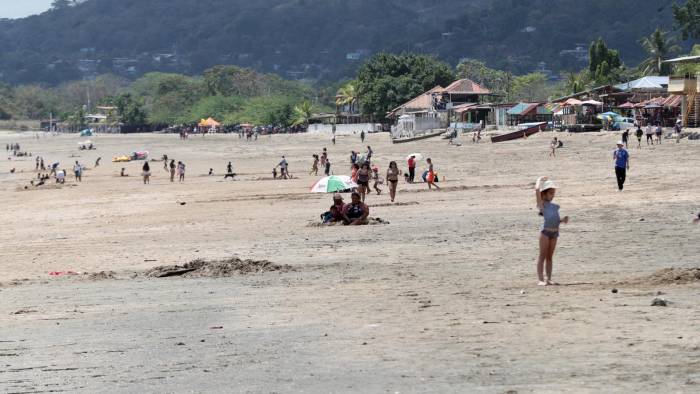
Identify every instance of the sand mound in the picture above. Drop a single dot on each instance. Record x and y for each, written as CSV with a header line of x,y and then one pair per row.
x,y
102,275
668,276
217,269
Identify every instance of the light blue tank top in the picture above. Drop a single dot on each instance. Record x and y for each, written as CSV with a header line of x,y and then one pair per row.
x,y
550,212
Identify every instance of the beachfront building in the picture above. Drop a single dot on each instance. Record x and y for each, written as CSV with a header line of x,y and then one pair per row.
x,y
529,113
437,108
687,86
342,123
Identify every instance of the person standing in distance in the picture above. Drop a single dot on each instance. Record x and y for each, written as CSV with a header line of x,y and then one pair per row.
x,y
622,164
411,169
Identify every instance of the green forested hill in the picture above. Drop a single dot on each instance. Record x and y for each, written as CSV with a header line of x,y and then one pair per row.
x,y
312,38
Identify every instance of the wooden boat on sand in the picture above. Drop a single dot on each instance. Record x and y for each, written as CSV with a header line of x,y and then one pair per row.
x,y
429,134
528,130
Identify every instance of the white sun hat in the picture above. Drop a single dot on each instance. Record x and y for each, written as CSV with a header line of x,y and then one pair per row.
x,y
546,185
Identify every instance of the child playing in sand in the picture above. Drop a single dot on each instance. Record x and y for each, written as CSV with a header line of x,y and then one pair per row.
x,y
553,146
431,178
544,194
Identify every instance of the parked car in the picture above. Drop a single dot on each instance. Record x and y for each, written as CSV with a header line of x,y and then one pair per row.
x,y
623,123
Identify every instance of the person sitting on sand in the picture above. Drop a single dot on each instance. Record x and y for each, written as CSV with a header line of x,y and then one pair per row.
x,y
123,173
61,176
545,190
211,172
357,212
335,212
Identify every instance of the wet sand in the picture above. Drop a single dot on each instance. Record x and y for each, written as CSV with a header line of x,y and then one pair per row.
x,y
441,299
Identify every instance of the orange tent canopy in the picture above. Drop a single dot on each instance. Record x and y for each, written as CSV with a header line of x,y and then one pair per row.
x,y
209,123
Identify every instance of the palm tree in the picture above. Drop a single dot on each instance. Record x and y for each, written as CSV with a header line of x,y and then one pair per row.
x,y
574,83
302,113
658,46
347,95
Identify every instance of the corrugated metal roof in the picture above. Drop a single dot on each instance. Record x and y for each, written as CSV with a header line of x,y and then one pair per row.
x,y
522,109
645,83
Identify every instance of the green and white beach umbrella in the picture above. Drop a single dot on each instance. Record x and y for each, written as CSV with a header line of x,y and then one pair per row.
x,y
332,184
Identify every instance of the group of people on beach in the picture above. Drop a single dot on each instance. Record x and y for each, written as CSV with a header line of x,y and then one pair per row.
x,y
653,132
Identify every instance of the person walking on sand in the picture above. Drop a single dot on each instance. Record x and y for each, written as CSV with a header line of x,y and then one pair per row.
x,y
284,168
78,171
146,173
165,163
392,178
622,164
553,146
677,130
229,171
363,175
639,133
362,136
431,175
377,181
172,170
545,190
411,169
659,133
328,168
626,137
324,157
181,171
650,134
314,166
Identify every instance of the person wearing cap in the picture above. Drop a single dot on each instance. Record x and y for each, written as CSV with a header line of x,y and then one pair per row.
x,y
545,190
335,212
622,164
357,212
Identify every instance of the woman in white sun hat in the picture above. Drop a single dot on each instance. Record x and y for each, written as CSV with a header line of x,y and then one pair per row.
x,y
545,190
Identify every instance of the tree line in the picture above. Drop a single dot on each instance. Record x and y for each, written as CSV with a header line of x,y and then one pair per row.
x,y
234,94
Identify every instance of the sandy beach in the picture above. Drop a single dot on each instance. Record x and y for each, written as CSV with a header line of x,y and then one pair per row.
x,y
443,298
